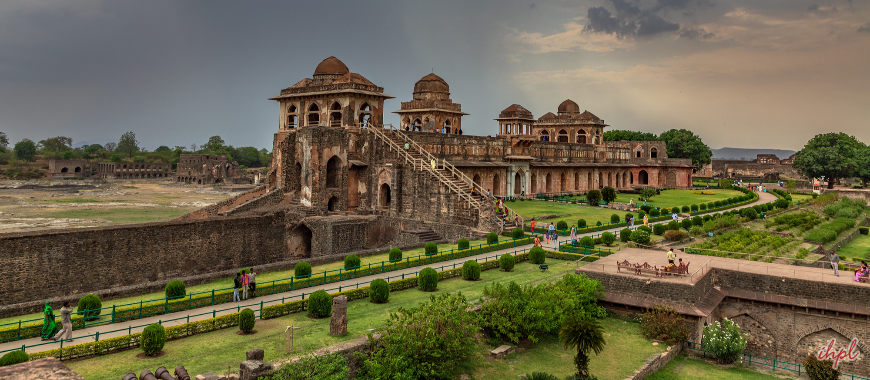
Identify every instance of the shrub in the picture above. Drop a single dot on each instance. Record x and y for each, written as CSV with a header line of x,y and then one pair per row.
x,y
640,236
675,235
379,291
693,207
675,210
581,223
863,230
92,302
463,243
696,230
703,206
246,320
395,254
351,262
710,205
537,255
645,229
540,376
821,369
654,212
641,214
427,280
614,218
608,238
659,229
664,323
598,223
153,339
561,225
749,213
646,208
593,197
707,218
331,367
319,304
685,209
14,357
686,223
302,269
724,341
471,270
608,194
673,225
517,233
587,241
625,235
718,203
758,209
431,248
175,289
506,262
698,221
596,240
491,238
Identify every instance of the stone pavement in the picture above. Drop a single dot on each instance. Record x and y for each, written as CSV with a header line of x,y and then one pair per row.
x,y
134,326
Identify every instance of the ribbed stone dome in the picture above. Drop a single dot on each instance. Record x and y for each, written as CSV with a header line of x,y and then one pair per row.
x,y
431,83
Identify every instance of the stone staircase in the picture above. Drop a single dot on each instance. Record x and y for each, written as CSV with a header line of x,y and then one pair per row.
x,y
426,235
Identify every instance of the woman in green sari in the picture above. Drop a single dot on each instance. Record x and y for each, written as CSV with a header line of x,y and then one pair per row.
x,y
49,326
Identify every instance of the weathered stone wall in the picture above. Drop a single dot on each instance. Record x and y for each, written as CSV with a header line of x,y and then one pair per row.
x,y
656,362
745,169
851,193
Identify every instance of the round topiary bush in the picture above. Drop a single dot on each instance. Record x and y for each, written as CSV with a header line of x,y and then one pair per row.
x,y
598,223
597,240
718,203
685,209
581,223
749,213
675,235
703,207
471,270
645,229
431,248
686,223
710,205
506,262
246,320
175,289
463,244
625,235
427,280
491,238
587,241
693,208
351,262
517,233
395,254
319,304
655,212
93,306
698,221
646,208
640,236
14,357
614,218
757,209
608,238
673,225
641,214
302,270
379,291
659,229
153,339
561,225
707,218
537,255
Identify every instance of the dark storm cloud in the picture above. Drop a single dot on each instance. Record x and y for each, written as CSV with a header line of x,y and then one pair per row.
x,y
693,33
630,20
864,29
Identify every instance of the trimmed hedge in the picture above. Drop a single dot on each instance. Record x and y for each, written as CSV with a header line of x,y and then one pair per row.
x,y
614,218
659,229
379,291
537,255
471,270
561,225
517,233
581,223
506,262
91,305
395,255
153,339
587,241
302,270
352,262
491,238
864,230
608,238
174,289
427,281
14,357
686,223
319,304
431,248
625,235
246,320
30,330
640,236
463,244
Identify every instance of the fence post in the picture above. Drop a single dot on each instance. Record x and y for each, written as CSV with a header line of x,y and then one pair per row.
x,y
212,297
140,308
97,337
19,329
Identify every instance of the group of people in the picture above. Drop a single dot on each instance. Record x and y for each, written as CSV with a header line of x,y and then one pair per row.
x,y
550,233
49,326
416,128
247,282
673,262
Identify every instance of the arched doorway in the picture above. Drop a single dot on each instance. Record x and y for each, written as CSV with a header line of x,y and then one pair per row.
x,y
476,179
576,180
518,183
589,184
643,177
335,115
581,137
631,178
549,183
563,136
384,197
600,179
534,185
64,170
624,179
333,172
418,125
365,115
78,169
332,204
313,115
496,185
545,136
299,243
610,179
671,180
653,153
447,125
291,117
563,184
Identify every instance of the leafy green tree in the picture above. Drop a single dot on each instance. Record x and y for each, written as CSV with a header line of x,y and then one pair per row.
x,y
583,334
4,142
25,150
619,135
608,194
248,156
162,148
56,144
830,155
116,158
791,185
593,197
682,143
110,146
214,144
128,144
647,194
725,183
93,149
863,171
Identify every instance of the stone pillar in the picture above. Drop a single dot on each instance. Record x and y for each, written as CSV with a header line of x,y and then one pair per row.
x,y
338,323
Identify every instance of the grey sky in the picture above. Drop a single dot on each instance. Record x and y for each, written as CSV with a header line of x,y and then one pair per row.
x,y
741,73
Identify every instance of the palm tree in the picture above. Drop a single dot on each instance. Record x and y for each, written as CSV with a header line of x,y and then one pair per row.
x,y
585,335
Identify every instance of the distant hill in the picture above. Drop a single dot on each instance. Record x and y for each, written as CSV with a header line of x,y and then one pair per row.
x,y
748,154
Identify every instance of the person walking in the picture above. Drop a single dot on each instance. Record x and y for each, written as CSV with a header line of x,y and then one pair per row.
x,y
523,190
646,220
49,326
237,283
573,236
553,231
675,217
244,285
835,262
671,256
407,147
252,283
533,226
631,220
537,241
66,322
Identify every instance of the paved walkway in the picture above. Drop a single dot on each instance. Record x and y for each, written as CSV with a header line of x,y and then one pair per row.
x,y
138,325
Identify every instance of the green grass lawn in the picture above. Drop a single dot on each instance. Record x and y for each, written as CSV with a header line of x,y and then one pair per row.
x,y
859,247
625,352
686,368
226,283
529,209
216,351
680,198
801,198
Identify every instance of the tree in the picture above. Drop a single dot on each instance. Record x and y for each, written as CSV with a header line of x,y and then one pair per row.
x,y
619,135
583,334
128,144
4,142
682,143
93,149
863,171
791,185
110,146
25,150
830,155
725,183
162,148
608,194
593,196
214,144
646,194
56,144
248,156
